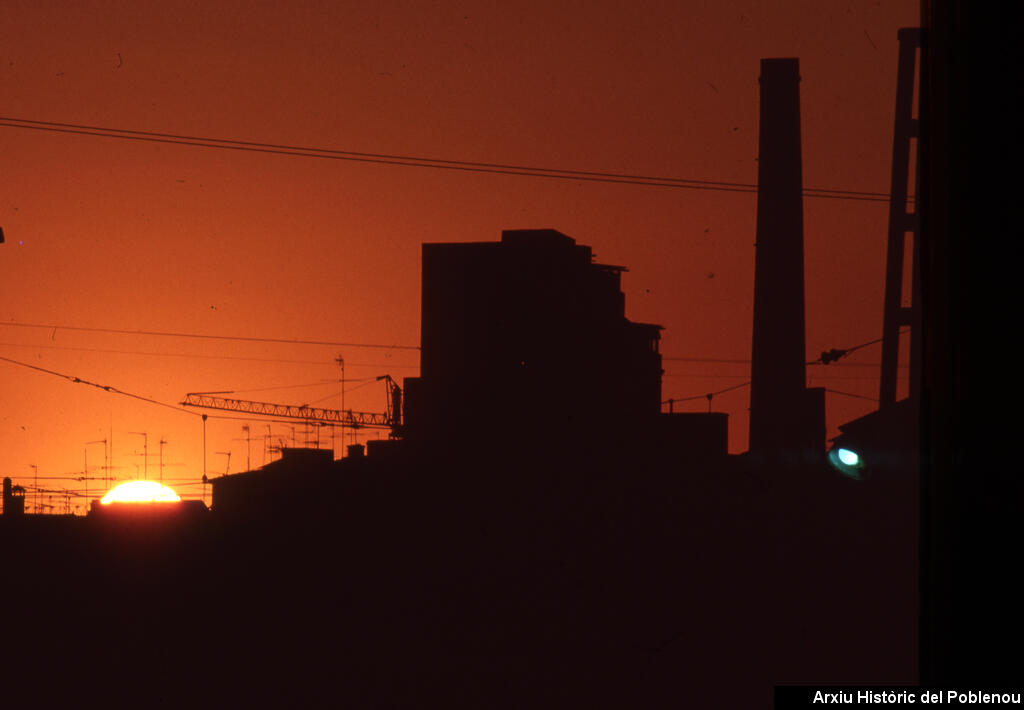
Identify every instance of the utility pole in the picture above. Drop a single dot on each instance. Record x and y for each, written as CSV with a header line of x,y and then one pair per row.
x,y
204,448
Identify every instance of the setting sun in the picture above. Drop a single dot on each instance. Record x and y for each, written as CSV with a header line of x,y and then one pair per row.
x,y
140,492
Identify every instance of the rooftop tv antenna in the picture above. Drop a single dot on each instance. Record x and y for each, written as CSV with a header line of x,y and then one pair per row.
x,y
341,363
145,452
248,446
162,442
35,483
227,468
106,463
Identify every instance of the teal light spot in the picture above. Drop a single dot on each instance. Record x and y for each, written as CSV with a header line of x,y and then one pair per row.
x,y
850,458
848,462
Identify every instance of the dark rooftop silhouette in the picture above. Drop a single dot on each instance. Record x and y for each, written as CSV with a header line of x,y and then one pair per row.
x,y
528,335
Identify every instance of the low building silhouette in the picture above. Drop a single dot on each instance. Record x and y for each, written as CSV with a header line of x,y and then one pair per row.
x,y
14,499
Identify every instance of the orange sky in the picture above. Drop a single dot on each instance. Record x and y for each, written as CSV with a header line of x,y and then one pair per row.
x,y
140,236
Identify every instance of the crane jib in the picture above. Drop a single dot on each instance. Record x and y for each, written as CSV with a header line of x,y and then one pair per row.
x,y
302,412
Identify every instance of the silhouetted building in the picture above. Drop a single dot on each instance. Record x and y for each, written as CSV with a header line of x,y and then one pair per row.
x,y
786,418
147,512
14,499
278,486
527,336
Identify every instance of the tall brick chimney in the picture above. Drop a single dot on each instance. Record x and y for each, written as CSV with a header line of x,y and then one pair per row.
x,y
786,419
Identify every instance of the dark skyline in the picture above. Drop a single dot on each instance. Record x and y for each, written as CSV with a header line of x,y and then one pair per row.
x,y
134,236
598,570
529,536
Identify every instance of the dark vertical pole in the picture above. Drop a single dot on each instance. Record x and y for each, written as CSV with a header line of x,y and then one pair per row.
x,y
901,223
204,446
778,377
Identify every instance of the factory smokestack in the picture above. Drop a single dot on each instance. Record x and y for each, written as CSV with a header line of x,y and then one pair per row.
x,y
786,419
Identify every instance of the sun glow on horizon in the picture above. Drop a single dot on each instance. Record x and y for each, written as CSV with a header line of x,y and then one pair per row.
x,y
140,492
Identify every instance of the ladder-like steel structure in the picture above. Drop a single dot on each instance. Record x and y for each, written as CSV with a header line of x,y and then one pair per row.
x,y
381,420
904,222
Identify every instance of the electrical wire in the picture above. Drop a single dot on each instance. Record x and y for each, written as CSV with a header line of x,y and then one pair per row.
x,y
707,359
154,354
322,363
850,394
814,362
106,388
202,336
834,354
321,383
419,161
709,395
701,375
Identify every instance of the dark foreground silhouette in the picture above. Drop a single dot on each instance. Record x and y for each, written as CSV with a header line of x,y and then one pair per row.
x,y
435,580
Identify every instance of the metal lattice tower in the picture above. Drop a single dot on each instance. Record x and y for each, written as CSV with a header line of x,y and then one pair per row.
x,y
904,224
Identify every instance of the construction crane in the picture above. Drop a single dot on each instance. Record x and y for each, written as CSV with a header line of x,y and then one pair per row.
x,y
394,405
390,419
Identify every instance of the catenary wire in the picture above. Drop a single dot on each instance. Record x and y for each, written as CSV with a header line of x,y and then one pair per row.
x,y
167,355
578,175
674,400
115,351
851,394
106,388
414,158
201,336
819,361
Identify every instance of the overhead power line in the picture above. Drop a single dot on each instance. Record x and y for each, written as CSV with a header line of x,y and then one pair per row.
x,y
105,388
153,354
850,394
420,161
819,361
202,336
707,359
707,396
834,354
320,383
118,351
